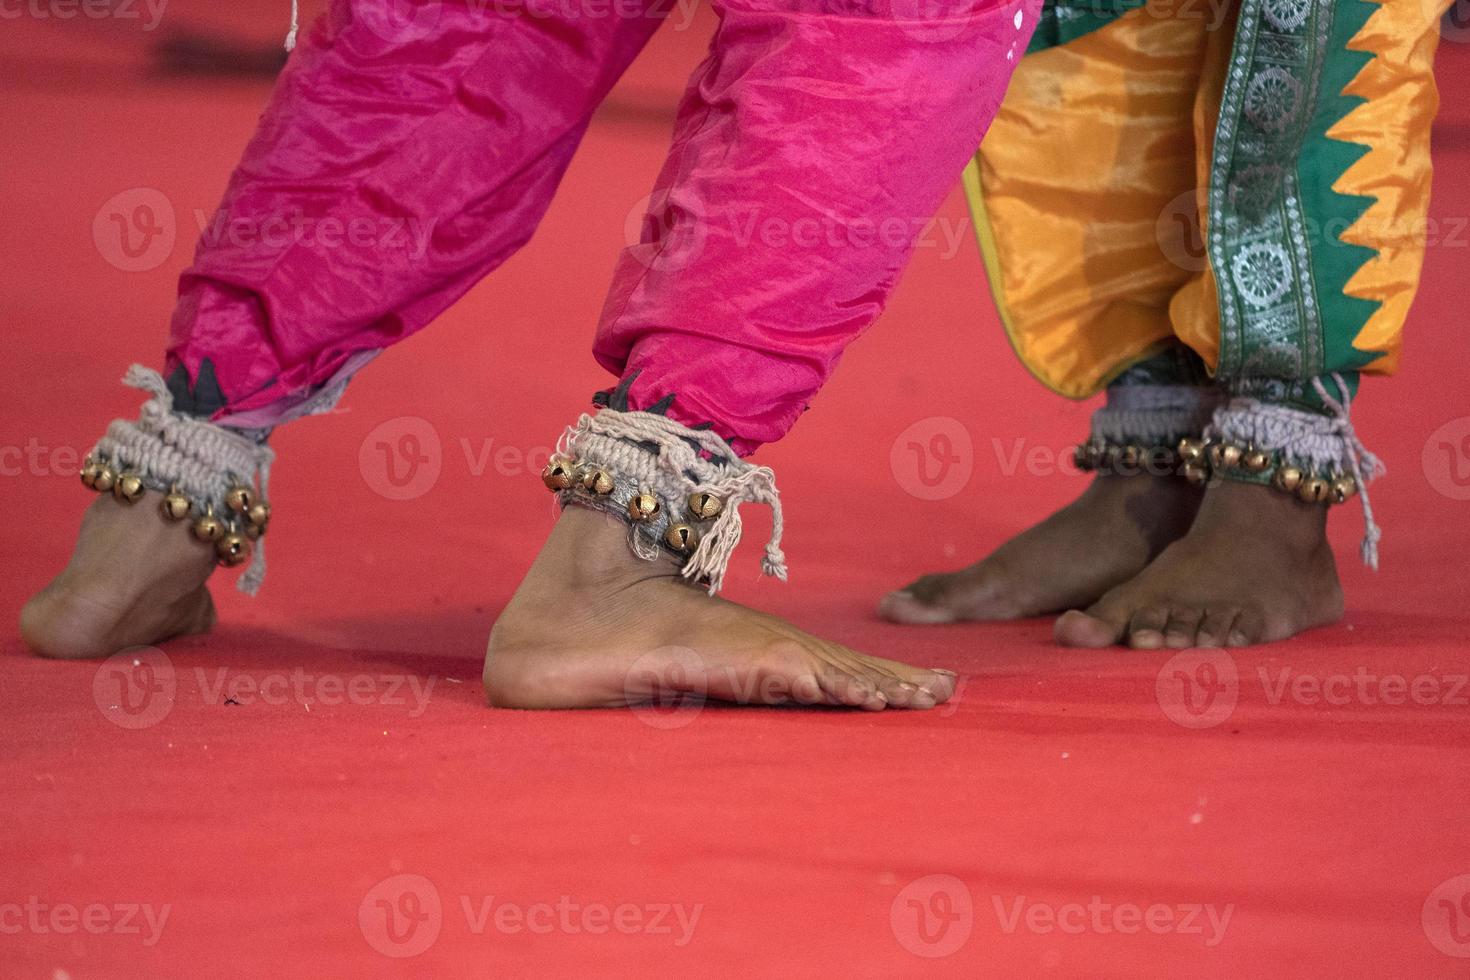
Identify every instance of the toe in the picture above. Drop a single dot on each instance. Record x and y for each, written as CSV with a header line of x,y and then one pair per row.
x,y
1092,629
1146,628
840,686
1215,628
906,606
1249,627
1183,628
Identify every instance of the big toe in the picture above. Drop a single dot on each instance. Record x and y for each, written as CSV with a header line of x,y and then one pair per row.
x,y
1076,628
904,606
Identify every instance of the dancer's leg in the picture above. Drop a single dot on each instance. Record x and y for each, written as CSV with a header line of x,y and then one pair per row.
x,y
1318,192
797,182
1083,194
397,163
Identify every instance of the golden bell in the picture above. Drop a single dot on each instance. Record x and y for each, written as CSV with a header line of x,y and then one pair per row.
x,y
174,506
209,528
90,470
1131,456
104,479
1080,458
706,506
1196,473
1191,450
1314,490
558,474
253,531
643,506
259,514
1257,461
232,549
1288,478
1342,488
129,488
597,481
680,537
1214,451
1230,454
239,499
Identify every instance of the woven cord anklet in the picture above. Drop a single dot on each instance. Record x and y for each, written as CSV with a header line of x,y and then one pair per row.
x,y
213,479
678,489
1317,458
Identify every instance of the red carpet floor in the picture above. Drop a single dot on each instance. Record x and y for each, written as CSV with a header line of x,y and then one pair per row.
x,y
1069,815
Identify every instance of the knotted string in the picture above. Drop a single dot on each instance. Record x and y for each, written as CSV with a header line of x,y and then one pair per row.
x,y
673,461
201,459
1365,466
295,25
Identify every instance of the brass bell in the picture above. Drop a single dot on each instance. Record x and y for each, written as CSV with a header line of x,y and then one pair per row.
x,y
706,506
209,528
1131,456
1314,490
1230,454
597,481
259,514
558,474
1342,488
643,506
680,537
174,506
239,499
1196,473
253,531
1257,461
129,488
89,474
1080,458
1191,450
232,549
1215,453
1288,478
104,479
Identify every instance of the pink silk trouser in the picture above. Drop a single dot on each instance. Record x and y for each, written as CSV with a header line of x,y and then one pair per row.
x,y
810,148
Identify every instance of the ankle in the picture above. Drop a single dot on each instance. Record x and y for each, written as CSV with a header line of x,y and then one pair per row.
x,y
1250,512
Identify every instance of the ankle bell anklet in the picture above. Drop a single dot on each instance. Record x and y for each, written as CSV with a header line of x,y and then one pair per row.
x,y
1139,428
213,479
1316,458
678,489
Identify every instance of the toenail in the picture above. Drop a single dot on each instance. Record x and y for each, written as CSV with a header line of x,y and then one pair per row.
x,y
941,670
1239,640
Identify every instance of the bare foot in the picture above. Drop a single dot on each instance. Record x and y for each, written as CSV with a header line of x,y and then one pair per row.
x,y
1254,568
1103,538
134,579
594,626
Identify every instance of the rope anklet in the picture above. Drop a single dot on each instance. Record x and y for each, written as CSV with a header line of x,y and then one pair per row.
x,y
1317,458
678,489
1140,427
212,478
